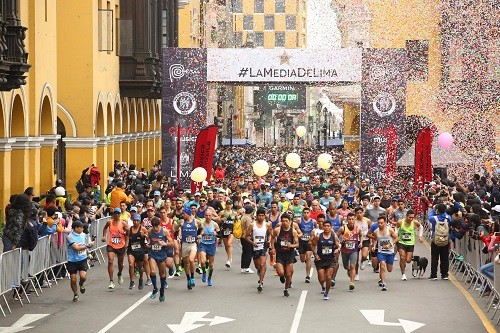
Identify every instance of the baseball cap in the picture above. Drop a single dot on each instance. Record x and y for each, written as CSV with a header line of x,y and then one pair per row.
x,y
282,195
157,193
151,208
133,208
376,197
246,201
188,211
197,193
137,217
117,210
248,210
395,198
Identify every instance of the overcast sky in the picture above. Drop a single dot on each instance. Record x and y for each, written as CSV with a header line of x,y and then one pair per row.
x,y
322,31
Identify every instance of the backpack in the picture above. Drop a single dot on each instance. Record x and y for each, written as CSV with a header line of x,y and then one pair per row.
x,y
237,229
441,232
29,237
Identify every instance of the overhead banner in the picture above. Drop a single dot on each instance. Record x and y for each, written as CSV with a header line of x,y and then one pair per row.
x,y
284,65
184,92
383,109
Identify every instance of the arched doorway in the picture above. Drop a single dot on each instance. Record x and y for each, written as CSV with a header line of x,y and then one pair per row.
x,y
48,153
118,133
20,155
109,132
60,156
100,133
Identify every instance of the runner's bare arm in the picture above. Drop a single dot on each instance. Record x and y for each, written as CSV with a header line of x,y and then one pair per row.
x,y
104,231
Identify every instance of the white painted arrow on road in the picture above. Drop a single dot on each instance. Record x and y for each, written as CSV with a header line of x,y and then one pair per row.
x,y
376,317
20,325
190,318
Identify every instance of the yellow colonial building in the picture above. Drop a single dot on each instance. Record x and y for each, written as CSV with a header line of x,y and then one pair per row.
x,y
78,105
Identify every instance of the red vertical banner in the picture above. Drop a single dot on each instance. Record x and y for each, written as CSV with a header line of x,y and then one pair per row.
x,y
178,173
423,164
392,154
204,153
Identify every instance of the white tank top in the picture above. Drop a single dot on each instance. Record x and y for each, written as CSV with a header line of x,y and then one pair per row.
x,y
363,225
259,235
384,240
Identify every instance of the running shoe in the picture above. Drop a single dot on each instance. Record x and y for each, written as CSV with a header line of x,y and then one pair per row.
x,y
380,283
192,282
111,285
323,290
326,297
228,264
136,271
445,277
351,286
282,279
181,269
259,288
132,285
363,265
154,294
403,277
76,298
210,282
162,296
177,273
308,279
384,287
189,286
333,283
120,279
141,285
148,282
285,293
204,277
356,277
249,271
82,289
432,278
199,270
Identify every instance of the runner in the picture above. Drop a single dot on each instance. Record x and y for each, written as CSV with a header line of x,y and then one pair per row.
x,y
116,244
306,226
351,240
406,243
209,232
364,224
177,215
283,242
273,217
77,258
227,218
136,249
188,233
258,235
160,256
296,207
325,246
386,238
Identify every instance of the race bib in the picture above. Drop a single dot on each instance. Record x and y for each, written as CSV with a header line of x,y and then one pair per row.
x,y
82,253
326,250
227,232
284,243
406,237
259,239
115,240
156,247
190,239
350,245
207,238
306,237
135,246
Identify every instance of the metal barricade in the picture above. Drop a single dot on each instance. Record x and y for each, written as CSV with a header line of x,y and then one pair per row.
x,y
10,275
58,256
96,230
39,261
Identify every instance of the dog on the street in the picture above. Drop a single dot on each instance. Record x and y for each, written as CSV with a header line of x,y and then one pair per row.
x,y
419,265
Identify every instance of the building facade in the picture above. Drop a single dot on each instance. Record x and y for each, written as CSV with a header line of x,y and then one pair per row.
x,y
84,101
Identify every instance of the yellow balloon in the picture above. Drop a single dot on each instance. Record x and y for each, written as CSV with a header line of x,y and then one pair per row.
x,y
293,160
325,161
260,167
199,174
300,131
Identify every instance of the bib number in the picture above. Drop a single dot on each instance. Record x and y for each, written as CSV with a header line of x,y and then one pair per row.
x,y
115,240
284,243
227,232
135,246
190,239
259,240
350,245
207,238
406,237
156,247
306,237
326,250
82,253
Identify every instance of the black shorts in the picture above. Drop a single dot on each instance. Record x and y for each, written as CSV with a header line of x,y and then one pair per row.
x,y
119,252
138,255
324,264
304,247
285,258
406,248
365,243
259,253
76,266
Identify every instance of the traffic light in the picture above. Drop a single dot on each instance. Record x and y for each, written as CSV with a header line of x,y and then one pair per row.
x,y
219,122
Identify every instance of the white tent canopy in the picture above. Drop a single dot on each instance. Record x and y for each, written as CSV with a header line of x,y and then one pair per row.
x,y
440,157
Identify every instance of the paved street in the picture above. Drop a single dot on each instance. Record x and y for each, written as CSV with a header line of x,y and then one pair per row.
x,y
233,304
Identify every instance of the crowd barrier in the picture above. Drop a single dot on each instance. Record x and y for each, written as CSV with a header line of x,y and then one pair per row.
x,y
20,268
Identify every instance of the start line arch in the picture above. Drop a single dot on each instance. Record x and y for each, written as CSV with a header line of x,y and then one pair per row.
x,y
381,72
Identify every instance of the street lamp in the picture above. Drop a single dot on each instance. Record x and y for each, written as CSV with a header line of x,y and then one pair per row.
x,y
231,113
325,126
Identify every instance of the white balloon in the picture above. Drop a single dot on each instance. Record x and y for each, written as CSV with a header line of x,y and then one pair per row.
x,y
205,183
293,160
260,167
199,174
325,161
300,131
